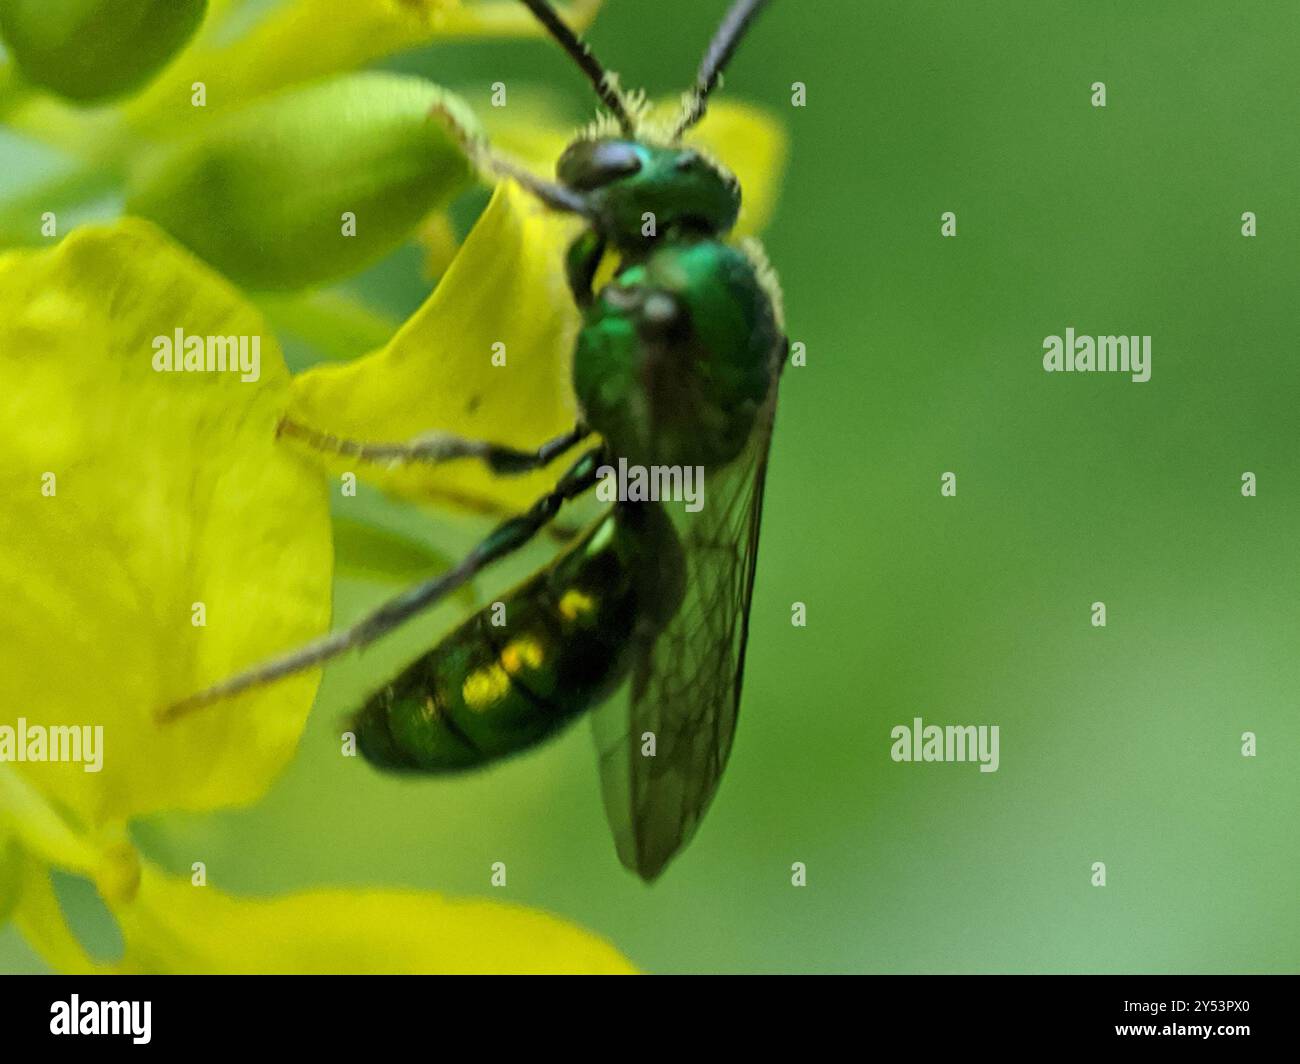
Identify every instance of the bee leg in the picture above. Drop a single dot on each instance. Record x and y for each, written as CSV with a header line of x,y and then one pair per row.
x,y
487,161
435,447
506,538
581,264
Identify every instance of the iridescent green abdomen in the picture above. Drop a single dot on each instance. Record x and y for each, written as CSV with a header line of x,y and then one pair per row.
x,y
566,643
676,355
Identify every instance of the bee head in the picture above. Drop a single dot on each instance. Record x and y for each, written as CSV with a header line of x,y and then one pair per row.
x,y
639,191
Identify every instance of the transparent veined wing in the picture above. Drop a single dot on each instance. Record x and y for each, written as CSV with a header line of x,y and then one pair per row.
x,y
685,684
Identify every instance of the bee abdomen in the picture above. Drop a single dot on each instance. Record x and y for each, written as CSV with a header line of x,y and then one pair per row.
x,y
563,644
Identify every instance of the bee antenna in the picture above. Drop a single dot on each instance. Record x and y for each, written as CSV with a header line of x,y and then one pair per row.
x,y
587,63
739,17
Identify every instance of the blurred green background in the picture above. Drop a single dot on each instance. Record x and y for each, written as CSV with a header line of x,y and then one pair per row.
x,y
1119,744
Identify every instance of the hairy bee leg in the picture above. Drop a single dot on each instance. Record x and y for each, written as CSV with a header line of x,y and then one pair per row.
x,y
506,538
487,161
434,447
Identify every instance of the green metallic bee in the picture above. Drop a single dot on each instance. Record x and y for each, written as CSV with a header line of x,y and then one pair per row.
x,y
677,365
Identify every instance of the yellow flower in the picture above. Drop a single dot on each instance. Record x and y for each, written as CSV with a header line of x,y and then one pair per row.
x,y
138,503
156,537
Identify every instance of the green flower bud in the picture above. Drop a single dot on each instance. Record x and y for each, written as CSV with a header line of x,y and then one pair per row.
x,y
310,185
89,50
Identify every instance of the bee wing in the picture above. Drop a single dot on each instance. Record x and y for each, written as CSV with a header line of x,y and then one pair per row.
x,y
685,684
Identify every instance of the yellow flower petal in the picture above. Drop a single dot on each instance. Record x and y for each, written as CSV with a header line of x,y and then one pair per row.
x,y
169,925
174,927
505,287
168,490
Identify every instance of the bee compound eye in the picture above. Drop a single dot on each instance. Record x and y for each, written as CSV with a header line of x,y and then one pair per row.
x,y
590,164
